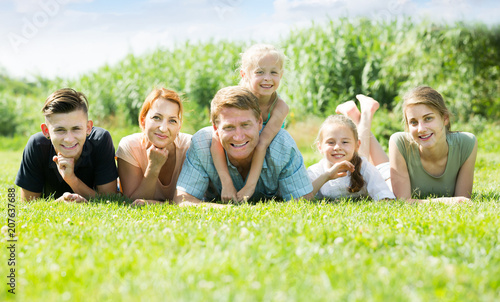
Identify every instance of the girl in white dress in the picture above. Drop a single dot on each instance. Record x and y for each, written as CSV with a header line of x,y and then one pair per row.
x,y
342,172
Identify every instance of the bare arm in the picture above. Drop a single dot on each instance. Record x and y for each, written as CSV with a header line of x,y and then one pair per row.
x,y
465,179
184,199
134,183
400,178
318,183
65,166
228,190
141,202
82,191
337,170
308,196
80,188
109,188
28,195
66,197
278,115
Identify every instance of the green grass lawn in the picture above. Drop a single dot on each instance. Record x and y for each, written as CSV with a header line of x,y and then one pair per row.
x,y
297,251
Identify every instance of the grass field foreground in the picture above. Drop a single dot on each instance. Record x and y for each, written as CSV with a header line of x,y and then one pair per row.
x,y
277,251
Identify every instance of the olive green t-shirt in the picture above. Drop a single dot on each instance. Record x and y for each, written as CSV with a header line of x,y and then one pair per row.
x,y
460,146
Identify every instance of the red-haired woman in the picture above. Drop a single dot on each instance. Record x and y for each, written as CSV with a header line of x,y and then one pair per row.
x,y
149,162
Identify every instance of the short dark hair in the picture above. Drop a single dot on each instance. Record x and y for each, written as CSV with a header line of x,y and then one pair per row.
x,y
65,100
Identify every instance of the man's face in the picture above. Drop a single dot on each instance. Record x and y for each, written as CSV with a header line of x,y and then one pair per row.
x,y
68,132
238,132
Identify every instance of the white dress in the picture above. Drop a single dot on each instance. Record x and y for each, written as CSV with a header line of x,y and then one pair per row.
x,y
375,186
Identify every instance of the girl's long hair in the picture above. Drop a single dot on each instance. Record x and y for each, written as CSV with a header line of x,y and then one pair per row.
x,y
357,181
425,95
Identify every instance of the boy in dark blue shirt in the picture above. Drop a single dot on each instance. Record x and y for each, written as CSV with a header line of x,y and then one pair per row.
x,y
70,159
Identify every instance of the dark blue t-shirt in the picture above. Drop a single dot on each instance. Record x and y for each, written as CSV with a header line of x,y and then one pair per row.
x,y
38,172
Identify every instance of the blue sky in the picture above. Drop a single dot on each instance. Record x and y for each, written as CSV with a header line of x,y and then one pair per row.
x,y
70,37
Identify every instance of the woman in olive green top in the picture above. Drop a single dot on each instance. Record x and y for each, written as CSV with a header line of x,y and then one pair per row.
x,y
428,160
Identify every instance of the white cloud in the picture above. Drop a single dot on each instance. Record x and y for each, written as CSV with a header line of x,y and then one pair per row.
x,y
143,41
462,10
70,56
487,11
289,10
34,6
70,41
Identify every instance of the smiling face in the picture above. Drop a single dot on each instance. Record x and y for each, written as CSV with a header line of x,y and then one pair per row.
x,y
264,78
337,143
426,126
238,132
162,124
67,132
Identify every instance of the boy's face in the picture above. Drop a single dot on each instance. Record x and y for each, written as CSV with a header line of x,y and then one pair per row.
x,y
68,132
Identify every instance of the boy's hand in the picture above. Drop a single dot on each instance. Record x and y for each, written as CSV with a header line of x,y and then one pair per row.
x,y
141,202
71,197
65,166
340,169
138,203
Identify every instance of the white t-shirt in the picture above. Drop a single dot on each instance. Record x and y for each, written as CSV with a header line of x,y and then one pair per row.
x,y
375,186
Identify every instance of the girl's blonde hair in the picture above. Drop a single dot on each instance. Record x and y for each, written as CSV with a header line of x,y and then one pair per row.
x,y
424,95
357,181
251,57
